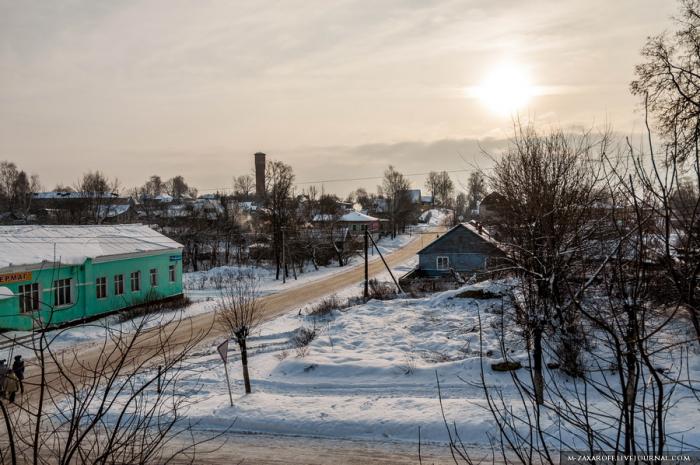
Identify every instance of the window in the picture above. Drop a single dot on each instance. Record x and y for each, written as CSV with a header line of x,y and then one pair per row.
x,y
101,287
171,273
118,284
154,277
443,263
29,297
62,292
135,281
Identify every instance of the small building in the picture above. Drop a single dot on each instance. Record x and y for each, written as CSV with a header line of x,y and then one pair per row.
x,y
354,222
414,195
493,208
51,275
466,249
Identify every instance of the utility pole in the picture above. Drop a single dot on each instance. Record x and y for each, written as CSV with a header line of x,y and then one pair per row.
x,y
284,259
386,265
366,294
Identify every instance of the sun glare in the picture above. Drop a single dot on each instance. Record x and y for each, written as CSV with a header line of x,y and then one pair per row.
x,y
504,90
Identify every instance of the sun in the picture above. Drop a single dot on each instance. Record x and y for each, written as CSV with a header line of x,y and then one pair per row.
x,y
505,89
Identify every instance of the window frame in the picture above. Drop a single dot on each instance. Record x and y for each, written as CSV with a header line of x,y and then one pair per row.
x,y
119,290
63,292
135,281
153,277
32,296
172,273
101,284
438,260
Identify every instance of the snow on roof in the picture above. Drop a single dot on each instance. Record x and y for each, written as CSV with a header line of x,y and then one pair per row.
x,y
110,211
357,216
73,195
351,217
72,245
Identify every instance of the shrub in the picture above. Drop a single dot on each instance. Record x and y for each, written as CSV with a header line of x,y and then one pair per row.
x,y
148,307
301,340
326,306
381,290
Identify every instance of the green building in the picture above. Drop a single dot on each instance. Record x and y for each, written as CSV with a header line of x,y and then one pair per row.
x,y
51,275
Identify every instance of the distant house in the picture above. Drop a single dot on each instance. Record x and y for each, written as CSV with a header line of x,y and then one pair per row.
x,y
466,248
73,207
493,208
355,222
414,195
51,275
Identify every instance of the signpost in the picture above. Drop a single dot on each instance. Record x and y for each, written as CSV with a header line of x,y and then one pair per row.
x,y
223,352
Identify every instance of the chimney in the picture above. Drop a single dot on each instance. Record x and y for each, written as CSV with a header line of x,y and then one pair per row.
x,y
260,175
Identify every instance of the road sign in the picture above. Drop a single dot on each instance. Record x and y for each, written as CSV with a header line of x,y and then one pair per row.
x,y
223,350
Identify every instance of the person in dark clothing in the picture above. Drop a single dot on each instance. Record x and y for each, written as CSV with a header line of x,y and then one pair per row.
x,y
18,369
3,375
11,386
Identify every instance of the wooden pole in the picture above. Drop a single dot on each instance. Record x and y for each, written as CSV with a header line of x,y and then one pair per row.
x,y
386,265
366,294
284,260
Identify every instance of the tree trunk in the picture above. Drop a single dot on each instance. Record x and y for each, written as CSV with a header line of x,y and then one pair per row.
x,y
244,361
538,379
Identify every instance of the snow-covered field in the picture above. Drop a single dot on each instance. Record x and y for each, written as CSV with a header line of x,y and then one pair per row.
x,y
369,374
372,374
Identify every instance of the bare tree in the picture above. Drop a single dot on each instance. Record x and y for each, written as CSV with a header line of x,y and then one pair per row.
x,y
244,186
240,311
118,402
476,189
670,78
549,188
96,191
279,179
395,187
177,188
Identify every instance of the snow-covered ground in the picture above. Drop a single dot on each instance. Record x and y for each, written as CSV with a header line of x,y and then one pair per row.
x,y
369,374
372,374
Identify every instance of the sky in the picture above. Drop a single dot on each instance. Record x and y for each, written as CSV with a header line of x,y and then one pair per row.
x,y
339,89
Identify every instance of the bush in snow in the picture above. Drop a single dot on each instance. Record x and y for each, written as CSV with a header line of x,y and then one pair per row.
x,y
301,340
381,290
326,306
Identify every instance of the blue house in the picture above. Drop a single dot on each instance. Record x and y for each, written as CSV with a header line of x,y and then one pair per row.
x,y
466,248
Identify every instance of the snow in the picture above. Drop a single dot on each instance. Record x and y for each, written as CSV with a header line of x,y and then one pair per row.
x,y
73,195
72,245
372,373
351,217
436,217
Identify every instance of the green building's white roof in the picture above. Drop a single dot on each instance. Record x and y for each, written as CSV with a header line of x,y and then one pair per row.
x,y
72,245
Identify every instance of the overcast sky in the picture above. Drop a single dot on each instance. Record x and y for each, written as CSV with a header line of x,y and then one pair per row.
x,y
338,89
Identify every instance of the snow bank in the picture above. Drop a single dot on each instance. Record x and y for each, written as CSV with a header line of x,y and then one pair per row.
x,y
437,217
